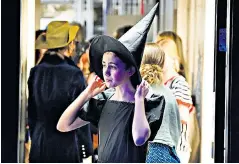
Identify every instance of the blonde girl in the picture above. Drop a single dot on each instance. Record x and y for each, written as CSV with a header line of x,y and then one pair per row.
x,y
163,147
175,77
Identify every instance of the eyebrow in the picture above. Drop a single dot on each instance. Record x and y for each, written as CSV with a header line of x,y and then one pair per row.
x,y
110,63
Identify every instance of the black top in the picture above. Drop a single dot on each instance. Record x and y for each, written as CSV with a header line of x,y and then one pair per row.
x,y
53,85
114,120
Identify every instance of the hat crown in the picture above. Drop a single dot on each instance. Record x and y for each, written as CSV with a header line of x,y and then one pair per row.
x,y
135,38
58,34
57,31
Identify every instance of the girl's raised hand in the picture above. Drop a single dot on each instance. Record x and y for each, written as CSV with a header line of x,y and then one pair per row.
x,y
142,90
95,86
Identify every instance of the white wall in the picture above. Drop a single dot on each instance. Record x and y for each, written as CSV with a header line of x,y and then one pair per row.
x,y
196,27
27,61
37,14
208,96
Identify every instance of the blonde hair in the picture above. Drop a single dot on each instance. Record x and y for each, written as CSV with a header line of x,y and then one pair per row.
x,y
167,36
152,64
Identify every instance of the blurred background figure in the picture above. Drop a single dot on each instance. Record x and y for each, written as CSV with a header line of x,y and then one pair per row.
x,y
175,77
121,31
39,52
80,41
176,51
81,58
53,84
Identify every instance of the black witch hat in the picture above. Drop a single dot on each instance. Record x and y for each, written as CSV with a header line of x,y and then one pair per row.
x,y
129,48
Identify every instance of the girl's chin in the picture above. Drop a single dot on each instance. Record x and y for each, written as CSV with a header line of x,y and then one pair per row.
x,y
109,85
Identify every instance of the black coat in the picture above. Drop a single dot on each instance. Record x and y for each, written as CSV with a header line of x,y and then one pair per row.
x,y
53,85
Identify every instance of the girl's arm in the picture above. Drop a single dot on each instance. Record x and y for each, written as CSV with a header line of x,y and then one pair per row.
x,y
140,128
69,120
183,96
184,113
184,116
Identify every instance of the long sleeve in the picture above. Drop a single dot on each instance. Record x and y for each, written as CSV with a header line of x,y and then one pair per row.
x,y
78,85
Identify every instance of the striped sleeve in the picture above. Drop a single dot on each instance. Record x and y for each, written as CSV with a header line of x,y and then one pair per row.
x,y
182,92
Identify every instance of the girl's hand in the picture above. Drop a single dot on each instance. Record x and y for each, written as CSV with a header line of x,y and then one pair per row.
x,y
142,90
95,86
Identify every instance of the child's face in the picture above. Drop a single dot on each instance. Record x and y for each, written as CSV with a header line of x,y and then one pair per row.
x,y
170,51
168,63
114,70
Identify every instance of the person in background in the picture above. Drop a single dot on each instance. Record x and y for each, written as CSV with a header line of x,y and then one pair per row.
x,y
82,60
53,84
80,41
121,31
177,45
175,77
39,52
163,147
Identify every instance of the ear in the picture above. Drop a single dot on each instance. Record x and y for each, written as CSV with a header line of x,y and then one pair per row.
x,y
131,70
72,43
71,47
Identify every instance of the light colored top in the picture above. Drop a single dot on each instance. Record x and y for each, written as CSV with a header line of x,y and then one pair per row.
x,y
169,132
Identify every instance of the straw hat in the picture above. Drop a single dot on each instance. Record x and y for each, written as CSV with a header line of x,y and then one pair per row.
x,y
58,34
